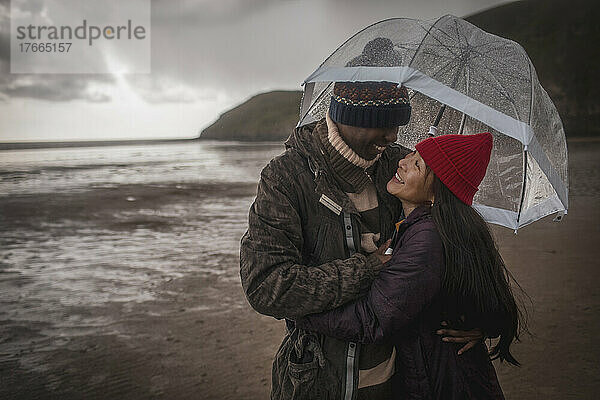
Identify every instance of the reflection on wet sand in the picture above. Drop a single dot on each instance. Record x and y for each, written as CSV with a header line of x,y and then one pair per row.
x,y
98,277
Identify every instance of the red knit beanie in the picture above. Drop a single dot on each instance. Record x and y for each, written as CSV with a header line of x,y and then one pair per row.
x,y
460,161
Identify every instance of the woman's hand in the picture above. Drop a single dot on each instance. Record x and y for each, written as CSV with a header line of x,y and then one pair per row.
x,y
471,338
380,252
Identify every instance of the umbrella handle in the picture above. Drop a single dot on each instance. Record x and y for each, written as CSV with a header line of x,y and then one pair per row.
x,y
433,131
439,115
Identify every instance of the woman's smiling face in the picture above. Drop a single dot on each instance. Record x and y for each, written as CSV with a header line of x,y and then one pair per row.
x,y
412,182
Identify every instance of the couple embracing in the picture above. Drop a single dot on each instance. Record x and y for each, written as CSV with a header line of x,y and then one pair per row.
x,y
388,280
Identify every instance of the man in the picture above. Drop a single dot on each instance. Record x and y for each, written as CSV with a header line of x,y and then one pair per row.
x,y
317,234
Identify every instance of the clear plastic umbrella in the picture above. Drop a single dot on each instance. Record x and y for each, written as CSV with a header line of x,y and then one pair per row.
x,y
463,80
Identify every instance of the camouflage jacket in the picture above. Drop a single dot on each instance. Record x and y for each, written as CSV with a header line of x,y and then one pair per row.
x,y
301,255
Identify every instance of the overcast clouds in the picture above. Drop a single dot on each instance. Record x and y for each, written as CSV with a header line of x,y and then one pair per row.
x,y
207,56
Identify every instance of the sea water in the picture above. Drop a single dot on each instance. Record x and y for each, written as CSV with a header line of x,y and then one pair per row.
x,y
83,229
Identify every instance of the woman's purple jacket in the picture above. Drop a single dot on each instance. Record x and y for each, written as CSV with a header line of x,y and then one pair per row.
x,y
404,306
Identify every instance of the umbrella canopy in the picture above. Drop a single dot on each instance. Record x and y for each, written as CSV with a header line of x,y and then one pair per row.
x,y
481,82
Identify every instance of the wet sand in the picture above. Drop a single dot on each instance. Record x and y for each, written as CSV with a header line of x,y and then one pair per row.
x,y
198,339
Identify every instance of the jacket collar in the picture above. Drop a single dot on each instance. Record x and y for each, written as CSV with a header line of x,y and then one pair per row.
x,y
309,146
418,214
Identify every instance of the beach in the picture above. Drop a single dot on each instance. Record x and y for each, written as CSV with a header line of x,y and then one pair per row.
x,y
126,285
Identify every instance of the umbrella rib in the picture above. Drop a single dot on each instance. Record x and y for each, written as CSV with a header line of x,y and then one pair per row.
x,y
429,45
500,72
491,73
486,54
428,33
467,87
446,46
444,68
458,34
487,44
504,93
502,43
505,66
502,90
505,75
449,47
446,33
464,50
437,47
434,54
525,162
502,64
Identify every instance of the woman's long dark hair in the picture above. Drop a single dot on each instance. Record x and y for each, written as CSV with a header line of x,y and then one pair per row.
x,y
476,281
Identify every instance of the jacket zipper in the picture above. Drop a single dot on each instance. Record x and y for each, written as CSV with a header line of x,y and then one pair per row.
x,y
352,347
350,358
351,354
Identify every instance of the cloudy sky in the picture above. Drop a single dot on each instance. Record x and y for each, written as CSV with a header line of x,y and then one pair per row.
x,y
207,56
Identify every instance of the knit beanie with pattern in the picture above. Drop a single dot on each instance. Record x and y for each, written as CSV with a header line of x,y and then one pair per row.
x,y
371,104
459,161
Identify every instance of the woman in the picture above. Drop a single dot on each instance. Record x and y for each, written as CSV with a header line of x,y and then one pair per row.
x,y
444,266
